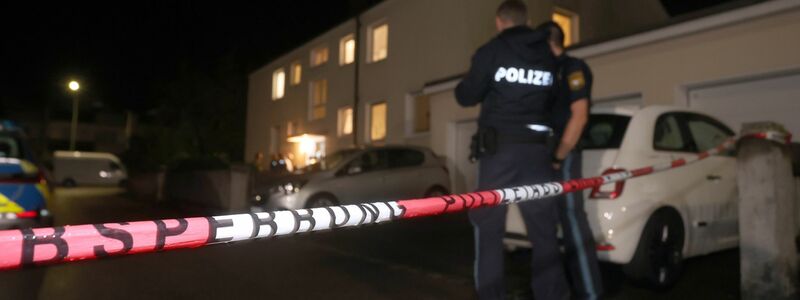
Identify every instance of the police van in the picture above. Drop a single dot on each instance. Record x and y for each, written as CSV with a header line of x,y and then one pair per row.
x,y
24,189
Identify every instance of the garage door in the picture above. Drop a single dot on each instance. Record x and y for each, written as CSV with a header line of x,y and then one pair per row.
x,y
774,98
631,102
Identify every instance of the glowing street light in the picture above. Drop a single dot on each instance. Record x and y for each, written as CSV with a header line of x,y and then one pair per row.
x,y
73,86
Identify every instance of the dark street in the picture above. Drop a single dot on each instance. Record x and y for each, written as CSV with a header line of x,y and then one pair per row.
x,y
428,258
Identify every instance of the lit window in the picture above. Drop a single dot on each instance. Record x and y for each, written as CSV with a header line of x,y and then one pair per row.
x,y
422,114
319,56
319,96
347,50
278,84
297,73
345,123
377,121
569,23
378,42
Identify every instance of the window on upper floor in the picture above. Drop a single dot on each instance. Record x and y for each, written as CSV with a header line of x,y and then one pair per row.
x,y
296,73
570,23
377,121
278,84
345,121
378,41
318,98
347,50
319,56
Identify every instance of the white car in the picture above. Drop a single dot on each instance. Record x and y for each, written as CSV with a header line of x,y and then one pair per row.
x,y
650,224
368,174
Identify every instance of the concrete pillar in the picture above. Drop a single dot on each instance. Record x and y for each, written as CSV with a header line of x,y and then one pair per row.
x,y
766,217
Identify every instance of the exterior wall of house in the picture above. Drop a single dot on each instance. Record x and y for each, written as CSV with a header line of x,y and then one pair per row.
x,y
431,40
661,71
263,113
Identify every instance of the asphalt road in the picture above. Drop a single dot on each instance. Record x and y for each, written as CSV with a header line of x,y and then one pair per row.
x,y
424,259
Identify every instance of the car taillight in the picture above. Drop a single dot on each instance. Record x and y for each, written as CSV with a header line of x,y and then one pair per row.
x,y
605,247
600,193
28,214
38,178
20,215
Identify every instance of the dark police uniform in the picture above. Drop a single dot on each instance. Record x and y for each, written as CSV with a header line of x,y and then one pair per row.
x,y
513,77
574,82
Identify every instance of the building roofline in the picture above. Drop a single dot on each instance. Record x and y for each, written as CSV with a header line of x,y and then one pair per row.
x,y
683,28
308,42
312,39
669,31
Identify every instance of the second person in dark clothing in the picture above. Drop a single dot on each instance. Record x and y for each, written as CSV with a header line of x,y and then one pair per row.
x,y
569,116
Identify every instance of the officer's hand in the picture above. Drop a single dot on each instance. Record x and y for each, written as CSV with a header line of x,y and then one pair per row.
x,y
556,166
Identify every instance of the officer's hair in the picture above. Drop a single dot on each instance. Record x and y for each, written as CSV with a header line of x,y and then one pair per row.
x,y
554,31
514,11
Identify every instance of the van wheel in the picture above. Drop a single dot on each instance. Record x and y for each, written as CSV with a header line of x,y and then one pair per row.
x,y
435,191
69,182
323,200
658,260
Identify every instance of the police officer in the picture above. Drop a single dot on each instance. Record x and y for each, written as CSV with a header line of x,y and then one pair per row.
x,y
512,77
569,116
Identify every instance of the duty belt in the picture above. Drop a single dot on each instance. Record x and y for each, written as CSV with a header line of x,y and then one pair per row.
x,y
531,138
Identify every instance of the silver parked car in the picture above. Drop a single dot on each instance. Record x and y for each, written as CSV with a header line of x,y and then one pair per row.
x,y
356,176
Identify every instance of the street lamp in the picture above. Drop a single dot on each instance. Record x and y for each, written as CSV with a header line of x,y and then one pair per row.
x,y
73,86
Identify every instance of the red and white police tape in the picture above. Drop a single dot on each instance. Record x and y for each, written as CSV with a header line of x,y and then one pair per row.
x,y
42,246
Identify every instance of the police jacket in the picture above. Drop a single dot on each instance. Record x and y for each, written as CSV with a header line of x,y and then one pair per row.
x,y
512,76
573,82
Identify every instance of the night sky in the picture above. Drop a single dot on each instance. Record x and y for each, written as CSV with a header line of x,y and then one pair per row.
x,y
128,55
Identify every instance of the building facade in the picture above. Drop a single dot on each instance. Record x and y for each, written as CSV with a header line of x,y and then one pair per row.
x,y
362,81
738,64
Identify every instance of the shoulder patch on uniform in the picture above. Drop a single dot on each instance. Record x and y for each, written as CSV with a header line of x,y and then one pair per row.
x,y
576,80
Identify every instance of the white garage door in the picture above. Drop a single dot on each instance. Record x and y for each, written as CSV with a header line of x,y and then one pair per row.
x,y
631,102
766,99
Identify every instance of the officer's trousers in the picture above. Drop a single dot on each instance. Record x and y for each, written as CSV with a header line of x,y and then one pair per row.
x,y
514,165
580,256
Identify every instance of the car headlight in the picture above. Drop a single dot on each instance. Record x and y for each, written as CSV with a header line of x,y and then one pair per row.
x,y
288,188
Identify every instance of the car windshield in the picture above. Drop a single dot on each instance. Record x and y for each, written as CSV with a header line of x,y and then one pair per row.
x,y
329,162
10,146
604,131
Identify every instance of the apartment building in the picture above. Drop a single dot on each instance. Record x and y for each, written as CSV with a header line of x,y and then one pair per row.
x,y
362,81
738,63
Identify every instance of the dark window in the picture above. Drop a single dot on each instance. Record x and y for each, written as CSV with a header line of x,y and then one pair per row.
x,y
604,131
669,135
10,146
370,161
707,133
114,166
399,158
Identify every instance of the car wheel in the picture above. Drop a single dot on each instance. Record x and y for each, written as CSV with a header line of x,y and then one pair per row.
x,y
69,182
435,191
658,259
323,200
